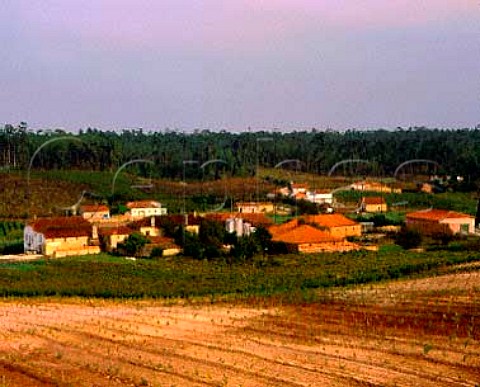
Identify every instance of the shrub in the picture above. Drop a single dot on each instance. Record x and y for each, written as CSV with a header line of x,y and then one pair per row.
x,y
444,237
408,238
157,252
134,244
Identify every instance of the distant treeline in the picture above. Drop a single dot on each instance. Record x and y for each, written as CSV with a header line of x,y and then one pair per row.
x,y
457,152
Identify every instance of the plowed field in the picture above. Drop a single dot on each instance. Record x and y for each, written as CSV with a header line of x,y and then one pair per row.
x,y
408,333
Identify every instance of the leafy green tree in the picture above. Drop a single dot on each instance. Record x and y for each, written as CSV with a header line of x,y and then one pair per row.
x,y
192,246
134,244
245,248
211,232
211,236
263,238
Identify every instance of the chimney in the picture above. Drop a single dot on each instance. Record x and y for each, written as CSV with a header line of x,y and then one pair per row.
x,y
94,232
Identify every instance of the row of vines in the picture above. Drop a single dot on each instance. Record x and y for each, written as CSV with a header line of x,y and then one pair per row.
x,y
11,237
109,277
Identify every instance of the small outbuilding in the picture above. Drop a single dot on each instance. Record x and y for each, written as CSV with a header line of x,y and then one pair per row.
x,y
94,212
373,204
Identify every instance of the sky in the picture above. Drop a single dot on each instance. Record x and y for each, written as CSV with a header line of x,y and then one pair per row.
x,y
238,64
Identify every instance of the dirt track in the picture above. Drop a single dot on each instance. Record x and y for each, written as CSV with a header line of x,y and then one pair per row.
x,y
411,333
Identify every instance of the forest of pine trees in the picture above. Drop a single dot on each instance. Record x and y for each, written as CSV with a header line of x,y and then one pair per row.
x,y
457,152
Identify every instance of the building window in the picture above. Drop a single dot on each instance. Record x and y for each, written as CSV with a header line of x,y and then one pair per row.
x,y
465,228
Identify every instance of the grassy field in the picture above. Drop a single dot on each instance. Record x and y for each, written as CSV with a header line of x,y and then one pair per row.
x,y
105,276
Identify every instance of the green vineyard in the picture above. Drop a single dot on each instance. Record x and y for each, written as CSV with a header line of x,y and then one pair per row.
x,y
11,237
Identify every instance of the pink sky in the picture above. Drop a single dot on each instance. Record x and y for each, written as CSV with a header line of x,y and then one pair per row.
x,y
239,63
249,22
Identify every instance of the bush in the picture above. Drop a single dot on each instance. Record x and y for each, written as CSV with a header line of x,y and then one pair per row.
x,y
192,246
408,238
444,237
157,252
245,248
134,244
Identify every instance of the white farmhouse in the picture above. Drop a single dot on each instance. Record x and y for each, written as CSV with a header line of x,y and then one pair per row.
x,y
145,208
319,197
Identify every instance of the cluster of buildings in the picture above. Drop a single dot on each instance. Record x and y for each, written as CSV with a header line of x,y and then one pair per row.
x,y
95,229
301,191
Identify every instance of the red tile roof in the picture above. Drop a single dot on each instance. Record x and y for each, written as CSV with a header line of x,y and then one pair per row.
x,y
145,222
373,200
300,195
330,220
164,242
305,234
144,204
62,227
435,215
112,230
278,229
94,208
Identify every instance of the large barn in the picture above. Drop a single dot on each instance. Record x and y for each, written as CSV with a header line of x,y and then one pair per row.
x,y
61,236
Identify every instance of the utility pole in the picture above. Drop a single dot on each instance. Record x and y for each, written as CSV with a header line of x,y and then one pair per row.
x,y
184,210
263,139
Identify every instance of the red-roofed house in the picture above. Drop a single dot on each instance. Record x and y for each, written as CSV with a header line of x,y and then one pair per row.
x,y
298,187
111,236
320,197
373,204
304,238
61,236
432,221
94,212
167,245
278,229
147,226
336,224
191,222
